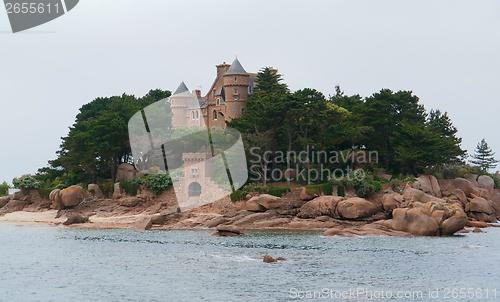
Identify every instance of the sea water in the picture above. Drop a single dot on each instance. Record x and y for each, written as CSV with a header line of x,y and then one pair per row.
x,y
43,263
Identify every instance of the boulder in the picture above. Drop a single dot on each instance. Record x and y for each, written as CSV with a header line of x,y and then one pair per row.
x,y
215,222
412,195
117,191
391,201
425,183
269,259
67,198
306,197
466,186
269,201
435,186
479,216
254,206
97,191
159,219
479,224
461,196
227,230
429,219
477,230
125,171
487,183
130,201
16,205
145,224
320,206
18,195
473,179
76,219
414,222
415,185
4,200
332,232
356,208
453,224
481,205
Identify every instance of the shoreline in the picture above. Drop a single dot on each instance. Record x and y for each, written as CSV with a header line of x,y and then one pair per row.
x,y
48,218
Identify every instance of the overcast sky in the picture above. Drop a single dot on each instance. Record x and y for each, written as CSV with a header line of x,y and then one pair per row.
x,y
446,52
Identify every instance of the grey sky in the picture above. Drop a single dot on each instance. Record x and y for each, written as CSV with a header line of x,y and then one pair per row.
x,y
446,52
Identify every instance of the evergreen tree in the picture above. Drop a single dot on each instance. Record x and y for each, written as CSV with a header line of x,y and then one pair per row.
x,y
484,157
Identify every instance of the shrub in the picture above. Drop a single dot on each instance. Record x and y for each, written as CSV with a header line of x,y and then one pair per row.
x,y
325,189
395,183
4,190
157,182
458,170
275,191
130,186
26,182
45,192
328,188
255,187
358,181
106,188
238,195
340,191
377,185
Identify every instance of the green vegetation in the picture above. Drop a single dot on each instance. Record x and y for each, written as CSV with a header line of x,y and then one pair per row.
x,y
45,192
131,186
321,189
363,184
277,191
98,141
238,195
26,182
407,138
4,189
484,157
157,182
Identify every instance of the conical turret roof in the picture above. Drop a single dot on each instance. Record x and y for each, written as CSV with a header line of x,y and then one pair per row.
x,y
236,68
182,88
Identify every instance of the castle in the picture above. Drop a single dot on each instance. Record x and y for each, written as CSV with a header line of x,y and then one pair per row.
x,y
224,100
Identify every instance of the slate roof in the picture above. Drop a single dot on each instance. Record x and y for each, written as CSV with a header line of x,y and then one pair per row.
x,y
182,88
236,68
197,104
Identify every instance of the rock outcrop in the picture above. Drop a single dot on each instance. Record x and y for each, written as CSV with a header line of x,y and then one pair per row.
x,y
125,171
97,191
306,197
356,208
266,202
227,230
76,219
429,219
320,206
67,198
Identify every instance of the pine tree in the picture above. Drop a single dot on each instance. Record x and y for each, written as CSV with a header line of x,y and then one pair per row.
x,y
484,156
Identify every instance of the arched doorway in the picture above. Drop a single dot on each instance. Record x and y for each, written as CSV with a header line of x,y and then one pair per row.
x,y
194,189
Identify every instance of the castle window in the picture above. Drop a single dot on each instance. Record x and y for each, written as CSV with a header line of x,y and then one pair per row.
x,y
192,115
235,91
249,89
218,101
235,79
235,97
215,115
197,116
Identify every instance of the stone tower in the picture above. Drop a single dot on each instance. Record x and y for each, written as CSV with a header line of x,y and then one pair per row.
x,y
236,89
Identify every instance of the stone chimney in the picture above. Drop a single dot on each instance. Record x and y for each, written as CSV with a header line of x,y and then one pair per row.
x,y
222,68
197,93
